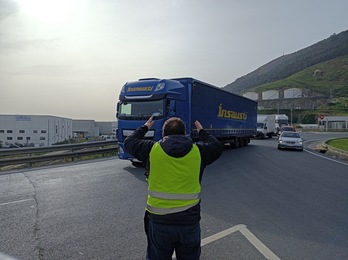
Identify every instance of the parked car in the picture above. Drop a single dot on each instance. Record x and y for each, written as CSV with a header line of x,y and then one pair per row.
x,y
290,140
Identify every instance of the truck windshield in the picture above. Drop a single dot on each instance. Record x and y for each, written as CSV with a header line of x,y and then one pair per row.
x,y
282,121
140,110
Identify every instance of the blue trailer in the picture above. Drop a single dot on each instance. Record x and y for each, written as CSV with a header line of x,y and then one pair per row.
x,y
229,117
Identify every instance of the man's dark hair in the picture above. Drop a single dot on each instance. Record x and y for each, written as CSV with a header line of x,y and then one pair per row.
x,y
173,126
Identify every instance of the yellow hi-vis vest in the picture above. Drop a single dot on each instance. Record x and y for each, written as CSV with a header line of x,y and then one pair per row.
x,y
173,182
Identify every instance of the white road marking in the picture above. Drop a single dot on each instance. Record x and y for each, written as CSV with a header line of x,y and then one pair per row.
x,y
219,235
258,244
324,157
248,235
13,202
267,253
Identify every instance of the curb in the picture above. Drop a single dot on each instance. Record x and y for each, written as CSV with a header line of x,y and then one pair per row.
x,y
324,148
337,152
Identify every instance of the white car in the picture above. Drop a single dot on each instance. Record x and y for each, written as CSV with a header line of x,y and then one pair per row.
x,y
290,140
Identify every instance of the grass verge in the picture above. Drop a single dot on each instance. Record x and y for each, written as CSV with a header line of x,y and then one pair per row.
x,y
340,143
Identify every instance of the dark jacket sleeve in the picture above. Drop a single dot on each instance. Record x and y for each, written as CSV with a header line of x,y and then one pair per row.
x,y
136,146
210,148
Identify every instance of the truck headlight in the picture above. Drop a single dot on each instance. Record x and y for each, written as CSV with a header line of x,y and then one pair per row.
x,y
160,86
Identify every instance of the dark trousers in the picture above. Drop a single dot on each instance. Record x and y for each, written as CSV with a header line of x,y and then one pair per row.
x,y
163,239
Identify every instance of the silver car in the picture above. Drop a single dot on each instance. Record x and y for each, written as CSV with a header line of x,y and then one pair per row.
x,y
290,140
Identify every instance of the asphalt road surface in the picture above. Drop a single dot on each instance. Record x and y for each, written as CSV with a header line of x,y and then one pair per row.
x,y
257,203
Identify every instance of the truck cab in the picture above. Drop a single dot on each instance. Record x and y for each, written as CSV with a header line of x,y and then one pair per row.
x,y
266,126
140,100
281,120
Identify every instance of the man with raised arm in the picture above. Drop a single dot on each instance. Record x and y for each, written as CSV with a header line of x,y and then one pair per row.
x,y
175,167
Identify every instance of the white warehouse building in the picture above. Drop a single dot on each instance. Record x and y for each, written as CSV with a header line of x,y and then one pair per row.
x,y
85,128
293,93
270,94
251,95
35,130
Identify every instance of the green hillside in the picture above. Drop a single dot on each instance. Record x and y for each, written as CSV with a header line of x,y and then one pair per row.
x,y
328,78
320,70
335,46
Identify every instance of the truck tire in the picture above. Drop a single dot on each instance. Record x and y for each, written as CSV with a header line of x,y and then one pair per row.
x,y
237,142
246,141
243,141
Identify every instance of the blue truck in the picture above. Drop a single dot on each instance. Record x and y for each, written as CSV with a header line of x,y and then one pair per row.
x,y
231,118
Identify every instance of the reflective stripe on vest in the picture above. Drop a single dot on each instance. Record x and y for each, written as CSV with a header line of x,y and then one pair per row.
x,y
174,196
163,211
173,182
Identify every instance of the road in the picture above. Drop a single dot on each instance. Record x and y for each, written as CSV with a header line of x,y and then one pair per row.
x,y
257,203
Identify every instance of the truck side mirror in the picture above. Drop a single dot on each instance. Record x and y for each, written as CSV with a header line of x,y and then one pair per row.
x,y
117,109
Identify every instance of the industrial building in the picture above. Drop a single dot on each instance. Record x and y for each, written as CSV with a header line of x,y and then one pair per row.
x,y
42,130
333,122
91,128
27,130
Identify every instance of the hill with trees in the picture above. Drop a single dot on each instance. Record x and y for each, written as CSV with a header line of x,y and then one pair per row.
x,y
324,84
287,65
329,78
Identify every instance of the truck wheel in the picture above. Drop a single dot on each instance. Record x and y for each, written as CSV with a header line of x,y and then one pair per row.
x,y
246,141
241,142
237,142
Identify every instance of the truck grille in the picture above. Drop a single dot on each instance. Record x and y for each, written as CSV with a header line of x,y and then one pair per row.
x,y
145,138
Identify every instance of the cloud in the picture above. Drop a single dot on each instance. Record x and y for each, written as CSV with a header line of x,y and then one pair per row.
x,y
7,8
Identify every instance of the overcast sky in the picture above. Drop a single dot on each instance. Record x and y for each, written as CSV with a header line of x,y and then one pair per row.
x,y
70,58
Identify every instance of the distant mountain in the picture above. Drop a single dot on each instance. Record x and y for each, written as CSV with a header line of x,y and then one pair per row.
x,y
333,47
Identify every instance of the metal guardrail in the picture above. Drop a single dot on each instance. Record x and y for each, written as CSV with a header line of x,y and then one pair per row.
x,y
31,150
29,155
